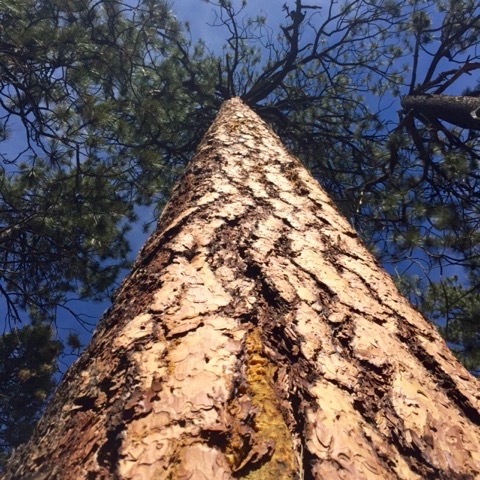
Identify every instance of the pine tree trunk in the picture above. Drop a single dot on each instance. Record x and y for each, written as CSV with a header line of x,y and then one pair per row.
x,y
257,338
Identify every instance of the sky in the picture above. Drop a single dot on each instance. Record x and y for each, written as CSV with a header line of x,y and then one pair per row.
x,y
200,14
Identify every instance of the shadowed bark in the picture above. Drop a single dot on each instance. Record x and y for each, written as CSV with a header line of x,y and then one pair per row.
x,y
257,338
463,111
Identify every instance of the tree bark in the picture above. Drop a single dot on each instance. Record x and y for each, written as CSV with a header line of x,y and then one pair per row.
x,y
257,338
463,111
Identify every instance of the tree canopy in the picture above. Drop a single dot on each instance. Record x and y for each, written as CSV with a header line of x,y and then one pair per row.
x,y
102,104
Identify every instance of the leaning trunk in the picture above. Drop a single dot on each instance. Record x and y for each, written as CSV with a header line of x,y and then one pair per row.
x,y
463,111
257,338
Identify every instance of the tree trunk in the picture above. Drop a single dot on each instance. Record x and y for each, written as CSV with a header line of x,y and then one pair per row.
x,y
257,338
463,111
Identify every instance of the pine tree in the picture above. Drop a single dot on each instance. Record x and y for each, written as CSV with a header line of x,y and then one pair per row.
x,y
28,357
257,338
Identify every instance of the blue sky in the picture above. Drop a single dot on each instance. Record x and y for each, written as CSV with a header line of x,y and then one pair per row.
x,y
199,14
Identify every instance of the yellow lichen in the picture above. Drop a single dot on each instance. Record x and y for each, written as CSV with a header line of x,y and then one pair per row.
x,y
270,425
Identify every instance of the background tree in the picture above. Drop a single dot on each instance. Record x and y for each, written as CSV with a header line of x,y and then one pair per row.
x,y
28,359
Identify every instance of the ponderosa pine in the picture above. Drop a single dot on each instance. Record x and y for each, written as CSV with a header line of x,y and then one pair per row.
x,y
257,338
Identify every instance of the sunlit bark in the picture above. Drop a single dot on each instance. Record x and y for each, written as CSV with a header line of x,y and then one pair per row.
x,y
257,338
